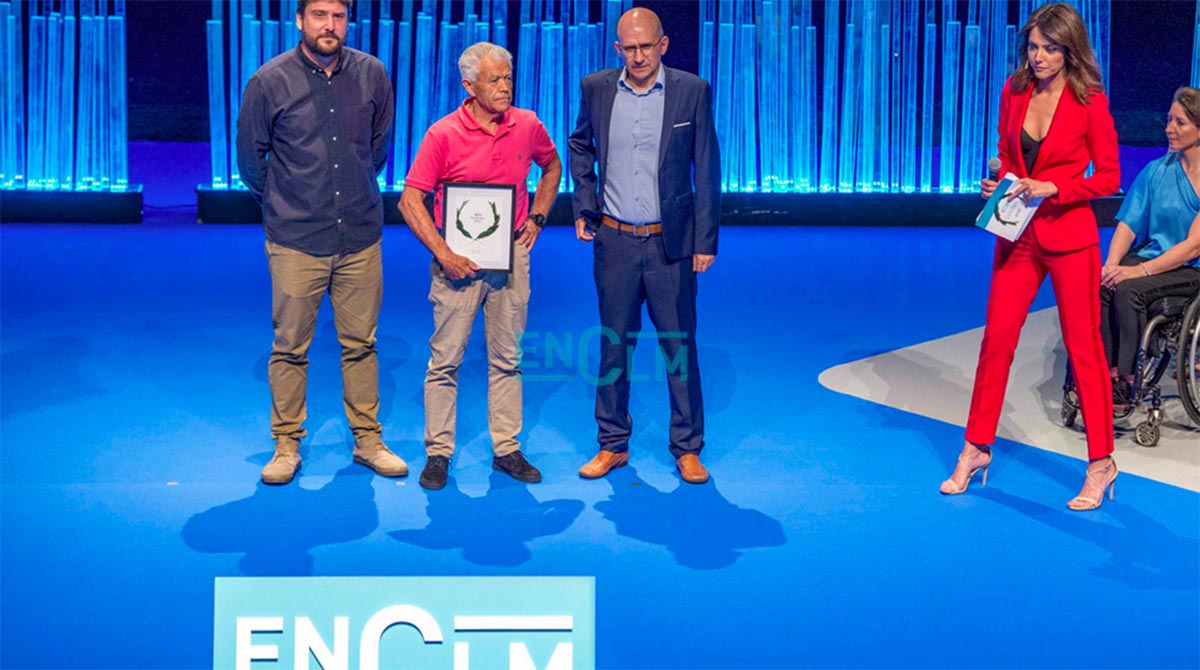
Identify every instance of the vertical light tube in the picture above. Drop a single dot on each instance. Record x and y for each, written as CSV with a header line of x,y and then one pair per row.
x,y
36,139
829,101
1196,49
16,77
217,142
972,116
847,157
8,110
927,94
102,149
723,99
998,69
422,112
117,109
365,21
612,13
270,41
950,104
404,103
576,68
884,148
908,122
749,130
865,160
235,88
708,37
796,140
526,66
54,65
811,148
287,25
385,41
500,22
66,106
251,45
83,157
766,89
468,26
553,48
892,152
117,112
445,95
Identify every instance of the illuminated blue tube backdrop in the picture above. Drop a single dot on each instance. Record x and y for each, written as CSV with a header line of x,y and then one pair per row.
x,y
419,42
63,109
881,96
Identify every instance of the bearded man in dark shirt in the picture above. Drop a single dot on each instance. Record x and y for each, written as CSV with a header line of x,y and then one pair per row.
x,y
313,133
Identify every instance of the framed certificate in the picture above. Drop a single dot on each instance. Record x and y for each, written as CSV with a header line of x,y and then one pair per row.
x,y
1007,218
477,222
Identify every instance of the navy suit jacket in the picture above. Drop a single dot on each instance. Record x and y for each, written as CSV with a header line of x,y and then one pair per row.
x,y
690,217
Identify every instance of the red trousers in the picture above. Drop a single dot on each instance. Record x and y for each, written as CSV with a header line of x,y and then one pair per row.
x,y
1017,272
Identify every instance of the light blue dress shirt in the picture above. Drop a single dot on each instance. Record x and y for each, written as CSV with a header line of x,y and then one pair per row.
x,y
631,167
1161,206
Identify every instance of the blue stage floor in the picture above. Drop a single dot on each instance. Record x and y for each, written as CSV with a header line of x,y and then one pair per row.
x,y
135,422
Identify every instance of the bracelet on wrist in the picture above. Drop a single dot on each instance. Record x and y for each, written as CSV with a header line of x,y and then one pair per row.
x,y
1145,269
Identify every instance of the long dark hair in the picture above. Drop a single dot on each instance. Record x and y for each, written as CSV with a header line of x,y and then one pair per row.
x,y
1061,24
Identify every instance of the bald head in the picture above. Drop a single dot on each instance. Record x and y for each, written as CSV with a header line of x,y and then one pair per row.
x,y
642,20
641,44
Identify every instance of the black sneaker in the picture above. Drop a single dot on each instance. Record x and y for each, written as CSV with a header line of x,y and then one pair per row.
x,y
433,477
517,467
1121,393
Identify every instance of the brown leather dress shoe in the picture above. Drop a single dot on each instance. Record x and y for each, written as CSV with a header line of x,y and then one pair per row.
x,y
691,469
602,463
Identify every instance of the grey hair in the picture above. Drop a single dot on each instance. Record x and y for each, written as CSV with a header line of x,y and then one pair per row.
x,y
468,62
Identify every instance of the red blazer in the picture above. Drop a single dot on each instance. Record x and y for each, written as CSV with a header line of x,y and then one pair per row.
x,y
1079,134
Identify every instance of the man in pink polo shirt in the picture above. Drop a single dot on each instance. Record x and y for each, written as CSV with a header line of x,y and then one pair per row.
x,y
485,140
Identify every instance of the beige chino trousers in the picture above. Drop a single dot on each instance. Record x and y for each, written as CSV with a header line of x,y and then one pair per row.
x,y
299,283
505,301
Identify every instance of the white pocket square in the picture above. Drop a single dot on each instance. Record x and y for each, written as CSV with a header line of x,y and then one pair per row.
x,y
680,125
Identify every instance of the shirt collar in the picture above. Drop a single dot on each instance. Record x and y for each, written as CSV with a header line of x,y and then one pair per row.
x,y
310,65
660,81
468,120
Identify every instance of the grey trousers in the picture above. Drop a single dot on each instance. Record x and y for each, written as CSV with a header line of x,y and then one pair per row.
x,y
505,301
299,283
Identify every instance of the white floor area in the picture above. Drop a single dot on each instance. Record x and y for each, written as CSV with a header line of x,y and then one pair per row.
x,y
934,379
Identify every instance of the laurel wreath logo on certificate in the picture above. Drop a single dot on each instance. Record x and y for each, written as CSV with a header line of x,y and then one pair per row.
x,y
477,222
1004,217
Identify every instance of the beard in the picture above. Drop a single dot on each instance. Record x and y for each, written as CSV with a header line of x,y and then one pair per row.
x,y
314,45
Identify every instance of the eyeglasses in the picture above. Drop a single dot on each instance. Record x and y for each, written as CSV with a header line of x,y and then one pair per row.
x,y
644,49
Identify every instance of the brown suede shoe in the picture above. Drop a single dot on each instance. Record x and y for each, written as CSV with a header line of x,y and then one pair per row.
x,y
380,459
284,463
602,463
691,469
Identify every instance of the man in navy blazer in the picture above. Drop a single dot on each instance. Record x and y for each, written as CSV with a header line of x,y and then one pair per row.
x,y
643,134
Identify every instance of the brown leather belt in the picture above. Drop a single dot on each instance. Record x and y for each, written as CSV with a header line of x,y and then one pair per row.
x,y
638,229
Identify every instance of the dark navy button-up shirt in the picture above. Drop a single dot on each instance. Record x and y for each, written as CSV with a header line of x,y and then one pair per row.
x,y
309,147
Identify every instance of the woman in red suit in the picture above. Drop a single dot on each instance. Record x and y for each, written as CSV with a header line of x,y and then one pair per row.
x,y
1054,121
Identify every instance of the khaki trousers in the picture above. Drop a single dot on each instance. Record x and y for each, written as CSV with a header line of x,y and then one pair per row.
x,y
505,301
298,285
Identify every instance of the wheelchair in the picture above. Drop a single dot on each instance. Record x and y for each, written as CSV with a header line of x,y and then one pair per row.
x,y
1172,332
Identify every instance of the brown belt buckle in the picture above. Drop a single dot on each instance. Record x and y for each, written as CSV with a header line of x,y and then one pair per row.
x,y
645,229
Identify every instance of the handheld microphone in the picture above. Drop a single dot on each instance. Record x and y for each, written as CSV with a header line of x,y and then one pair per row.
x,y
994,169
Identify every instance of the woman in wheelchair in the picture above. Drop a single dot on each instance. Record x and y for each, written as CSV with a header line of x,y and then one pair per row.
x,y
1162,213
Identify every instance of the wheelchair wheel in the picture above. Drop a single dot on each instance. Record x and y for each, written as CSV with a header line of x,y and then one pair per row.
x,y
1146,434
1068,415
1188,357
1156,361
